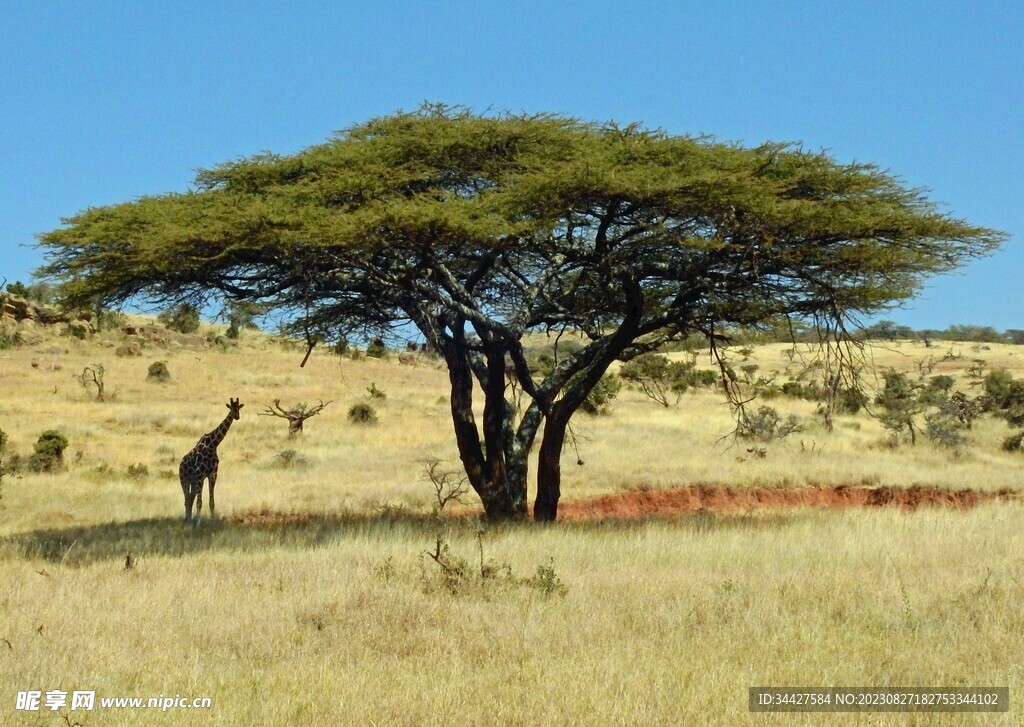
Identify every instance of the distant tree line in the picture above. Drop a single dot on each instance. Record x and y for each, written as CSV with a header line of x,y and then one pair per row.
x,y
800,332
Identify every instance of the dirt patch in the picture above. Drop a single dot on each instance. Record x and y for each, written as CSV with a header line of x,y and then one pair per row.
x,y
726,500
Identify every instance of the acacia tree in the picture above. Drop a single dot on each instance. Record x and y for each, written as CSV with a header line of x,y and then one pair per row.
x,y
479,229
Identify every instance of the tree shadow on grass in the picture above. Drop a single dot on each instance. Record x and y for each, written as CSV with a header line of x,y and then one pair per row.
x,y
81,545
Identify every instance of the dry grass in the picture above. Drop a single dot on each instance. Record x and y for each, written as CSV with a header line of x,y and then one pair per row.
x,y
331,615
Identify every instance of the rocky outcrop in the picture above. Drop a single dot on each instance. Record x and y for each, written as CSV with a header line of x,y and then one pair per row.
x,y
20,309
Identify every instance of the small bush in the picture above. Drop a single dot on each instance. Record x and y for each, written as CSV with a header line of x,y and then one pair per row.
x,y
1013,442
767,425
599,400
290,458
14,464
362,414
183,318
10,340
944,431
49,452
138,472
110,320
128,350
78,329
3,440
850,401
377,349
158,372
547,581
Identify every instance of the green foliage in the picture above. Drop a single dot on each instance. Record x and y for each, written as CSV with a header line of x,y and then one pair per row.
x,y
1014,336
547,582
481,229
291,459
158,372
109,320
48,454
182,318
600,398
936,392
850,400
767,425
663,380
241,314
945,431
10,339
40,292
362,413
899,405
1013,442
3,441
377,349
888,331
1005,396
78,329
137,472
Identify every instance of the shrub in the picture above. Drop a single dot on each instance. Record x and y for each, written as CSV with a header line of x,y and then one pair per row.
x,y
767,425
794,390
138,471
944,431
78,329
377,349
3,441
290,458
547,581
659,378
600,398
158,372
997,385
49,452
850,401
183,318
362,414
1013,442
110,320
900,404
129,350
10,339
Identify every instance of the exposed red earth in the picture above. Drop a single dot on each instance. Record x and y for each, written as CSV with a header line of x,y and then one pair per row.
x,y
726,500
692,499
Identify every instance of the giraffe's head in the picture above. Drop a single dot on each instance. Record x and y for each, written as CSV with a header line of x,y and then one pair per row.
x,y
235,407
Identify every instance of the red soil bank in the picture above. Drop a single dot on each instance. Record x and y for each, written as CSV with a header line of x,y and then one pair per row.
x,y
698,498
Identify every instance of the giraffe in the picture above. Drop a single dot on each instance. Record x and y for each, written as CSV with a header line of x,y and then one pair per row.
x,y
201,463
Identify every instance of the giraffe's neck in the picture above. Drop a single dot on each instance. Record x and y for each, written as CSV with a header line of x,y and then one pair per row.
x,y
217,435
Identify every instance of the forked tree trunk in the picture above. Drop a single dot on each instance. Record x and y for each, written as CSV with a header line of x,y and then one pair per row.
x,y
500,483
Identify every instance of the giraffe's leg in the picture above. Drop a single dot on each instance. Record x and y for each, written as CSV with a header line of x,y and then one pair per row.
x,y
213,506
189,498
199,501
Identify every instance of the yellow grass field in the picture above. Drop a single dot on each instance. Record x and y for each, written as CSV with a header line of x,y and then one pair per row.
x,y
311,599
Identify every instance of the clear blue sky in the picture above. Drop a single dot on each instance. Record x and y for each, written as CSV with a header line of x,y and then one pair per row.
x,y
107,101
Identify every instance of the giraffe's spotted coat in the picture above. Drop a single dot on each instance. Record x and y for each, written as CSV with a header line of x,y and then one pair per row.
x,y
201,464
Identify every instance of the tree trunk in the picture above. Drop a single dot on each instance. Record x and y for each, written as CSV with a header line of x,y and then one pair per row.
x,y
503,496
549,471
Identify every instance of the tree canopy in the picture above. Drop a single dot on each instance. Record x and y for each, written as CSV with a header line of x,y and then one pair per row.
x,y
478,229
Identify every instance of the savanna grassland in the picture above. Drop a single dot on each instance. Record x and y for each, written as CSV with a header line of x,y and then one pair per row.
x,y
311,599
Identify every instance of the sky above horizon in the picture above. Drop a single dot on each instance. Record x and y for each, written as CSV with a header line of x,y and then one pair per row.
x,y
105,102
